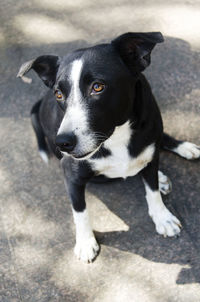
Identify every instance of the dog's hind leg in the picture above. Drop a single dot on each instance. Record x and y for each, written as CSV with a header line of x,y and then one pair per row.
x,y
165,185
165,222
184,149
42,145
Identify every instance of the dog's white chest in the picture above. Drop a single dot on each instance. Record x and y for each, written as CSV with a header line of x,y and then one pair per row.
x,y
120,163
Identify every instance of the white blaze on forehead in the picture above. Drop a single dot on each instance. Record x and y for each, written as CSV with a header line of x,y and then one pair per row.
x,y
75,77
76,115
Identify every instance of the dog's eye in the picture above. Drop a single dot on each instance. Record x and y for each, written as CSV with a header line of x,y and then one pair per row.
x,y
59,95
97,87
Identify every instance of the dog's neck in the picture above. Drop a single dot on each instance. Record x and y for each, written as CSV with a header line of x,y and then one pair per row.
x,y
121,135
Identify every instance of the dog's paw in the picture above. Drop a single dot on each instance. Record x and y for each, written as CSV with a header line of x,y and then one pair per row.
x,y
188,150
166,223
86,250
165,185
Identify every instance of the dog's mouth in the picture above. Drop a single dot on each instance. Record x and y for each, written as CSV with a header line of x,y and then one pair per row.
x,y
86,155
81,156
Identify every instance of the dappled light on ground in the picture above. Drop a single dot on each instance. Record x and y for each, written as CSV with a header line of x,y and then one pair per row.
x,y
53,21
37,234
43,29
21,220
63,4
107,221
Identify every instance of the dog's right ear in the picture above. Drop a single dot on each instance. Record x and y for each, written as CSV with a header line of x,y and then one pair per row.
x,y
45,66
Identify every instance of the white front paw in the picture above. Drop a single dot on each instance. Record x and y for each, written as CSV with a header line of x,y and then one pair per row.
x,y
86,250
188,150
166,223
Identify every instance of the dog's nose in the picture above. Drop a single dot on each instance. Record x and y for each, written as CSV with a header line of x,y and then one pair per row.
x,y
66,142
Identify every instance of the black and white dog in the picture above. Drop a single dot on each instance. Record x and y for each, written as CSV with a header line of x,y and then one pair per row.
x,y
101,119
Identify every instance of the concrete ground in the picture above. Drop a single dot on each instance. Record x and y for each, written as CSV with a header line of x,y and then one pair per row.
x,y
36,230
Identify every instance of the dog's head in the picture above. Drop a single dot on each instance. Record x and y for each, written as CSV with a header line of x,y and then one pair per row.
x,y
94,88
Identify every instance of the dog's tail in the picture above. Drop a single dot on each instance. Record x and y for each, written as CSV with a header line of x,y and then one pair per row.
x,y
40,136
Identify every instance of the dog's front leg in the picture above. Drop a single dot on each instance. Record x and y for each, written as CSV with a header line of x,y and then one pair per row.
x,y
86,247
165,222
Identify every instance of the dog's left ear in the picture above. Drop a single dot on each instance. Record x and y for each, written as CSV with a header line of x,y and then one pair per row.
x,y
45,66
135,49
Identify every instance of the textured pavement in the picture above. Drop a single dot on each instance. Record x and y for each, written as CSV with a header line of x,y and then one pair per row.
x,y
36,230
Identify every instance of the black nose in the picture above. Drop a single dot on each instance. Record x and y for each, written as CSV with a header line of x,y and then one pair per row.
x,y
66,142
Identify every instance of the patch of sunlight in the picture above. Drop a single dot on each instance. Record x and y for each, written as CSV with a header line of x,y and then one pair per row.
x,y
2,38
195,93
149,283
62,4
21,220
187,122
181,21
30,257
125,276
5,180
43,29
107,221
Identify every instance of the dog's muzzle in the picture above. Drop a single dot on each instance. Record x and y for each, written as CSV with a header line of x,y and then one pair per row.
x,y
67,143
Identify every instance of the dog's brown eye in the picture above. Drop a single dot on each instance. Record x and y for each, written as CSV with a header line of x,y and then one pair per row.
x,y
58,95
98,87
